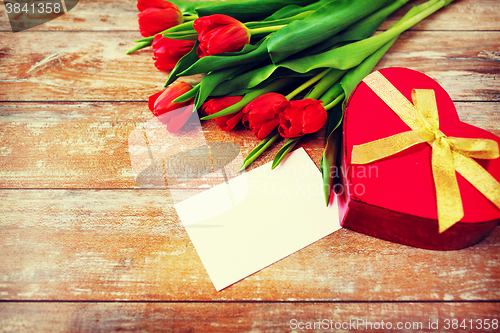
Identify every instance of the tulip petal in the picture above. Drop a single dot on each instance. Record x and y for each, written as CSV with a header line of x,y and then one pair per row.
x,y
144,4
152,100
302,117
230,38
314,117
215,105
219,34
161,102
153,20
180,119
261,115
267,128
204,22
167,52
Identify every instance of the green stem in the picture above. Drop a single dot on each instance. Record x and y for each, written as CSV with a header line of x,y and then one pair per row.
x,y
188,18
284,151
273,86
186,26
307,84
332,93
259,149
138,47
325,84
266,30
334,102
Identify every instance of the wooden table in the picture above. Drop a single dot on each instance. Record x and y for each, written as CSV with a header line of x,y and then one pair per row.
x,y
84,249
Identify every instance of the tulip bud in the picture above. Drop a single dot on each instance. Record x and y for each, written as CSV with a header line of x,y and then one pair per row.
x,y
174,115
157,15
301,117
167,52
220,33
262,114
226,123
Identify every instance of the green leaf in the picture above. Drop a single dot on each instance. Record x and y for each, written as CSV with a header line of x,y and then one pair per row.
x,y
259,149
354,76
334,130
210,82
249,10
249,54
284,151
325,22
292,10
182,64
329,161
273,86
249,79
351,55
256,77
283,21
358,31
191,6
335,117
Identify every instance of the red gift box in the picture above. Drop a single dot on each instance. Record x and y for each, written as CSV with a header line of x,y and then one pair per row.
x,y
395,197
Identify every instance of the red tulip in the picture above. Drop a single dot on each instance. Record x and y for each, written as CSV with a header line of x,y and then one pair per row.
x,y
174,115
302,117
167,52
157,15
220,33
226,123
261,114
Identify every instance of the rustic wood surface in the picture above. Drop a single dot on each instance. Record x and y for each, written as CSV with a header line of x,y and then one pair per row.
x,y
83,248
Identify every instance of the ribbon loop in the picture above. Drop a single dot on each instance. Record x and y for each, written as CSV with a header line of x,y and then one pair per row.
x,y
449,154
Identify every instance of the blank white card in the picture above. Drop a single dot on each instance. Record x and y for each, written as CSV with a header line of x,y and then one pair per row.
x,y
258,218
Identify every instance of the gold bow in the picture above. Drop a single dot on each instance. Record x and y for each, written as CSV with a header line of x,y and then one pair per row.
x,y
449,154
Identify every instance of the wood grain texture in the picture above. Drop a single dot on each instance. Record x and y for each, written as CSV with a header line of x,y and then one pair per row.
x,y
84,248
120,15
239,317
95,15
460,15
93,66
86,145
129,245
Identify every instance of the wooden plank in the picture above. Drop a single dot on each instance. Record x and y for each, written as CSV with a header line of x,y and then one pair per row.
x,y
448,63
245,317
460,15
71,144
93,66
129,245
69,66
106,15
96,15
86,145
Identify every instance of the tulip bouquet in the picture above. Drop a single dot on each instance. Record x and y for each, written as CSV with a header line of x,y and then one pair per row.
x,y
260,56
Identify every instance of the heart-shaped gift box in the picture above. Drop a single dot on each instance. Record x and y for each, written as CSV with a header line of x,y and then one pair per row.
x,y
395,197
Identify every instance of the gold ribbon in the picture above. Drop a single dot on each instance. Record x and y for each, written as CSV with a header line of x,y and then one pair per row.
x,y
449,154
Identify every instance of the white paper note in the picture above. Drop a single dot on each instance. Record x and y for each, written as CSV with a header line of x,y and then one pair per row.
x,y
258,218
